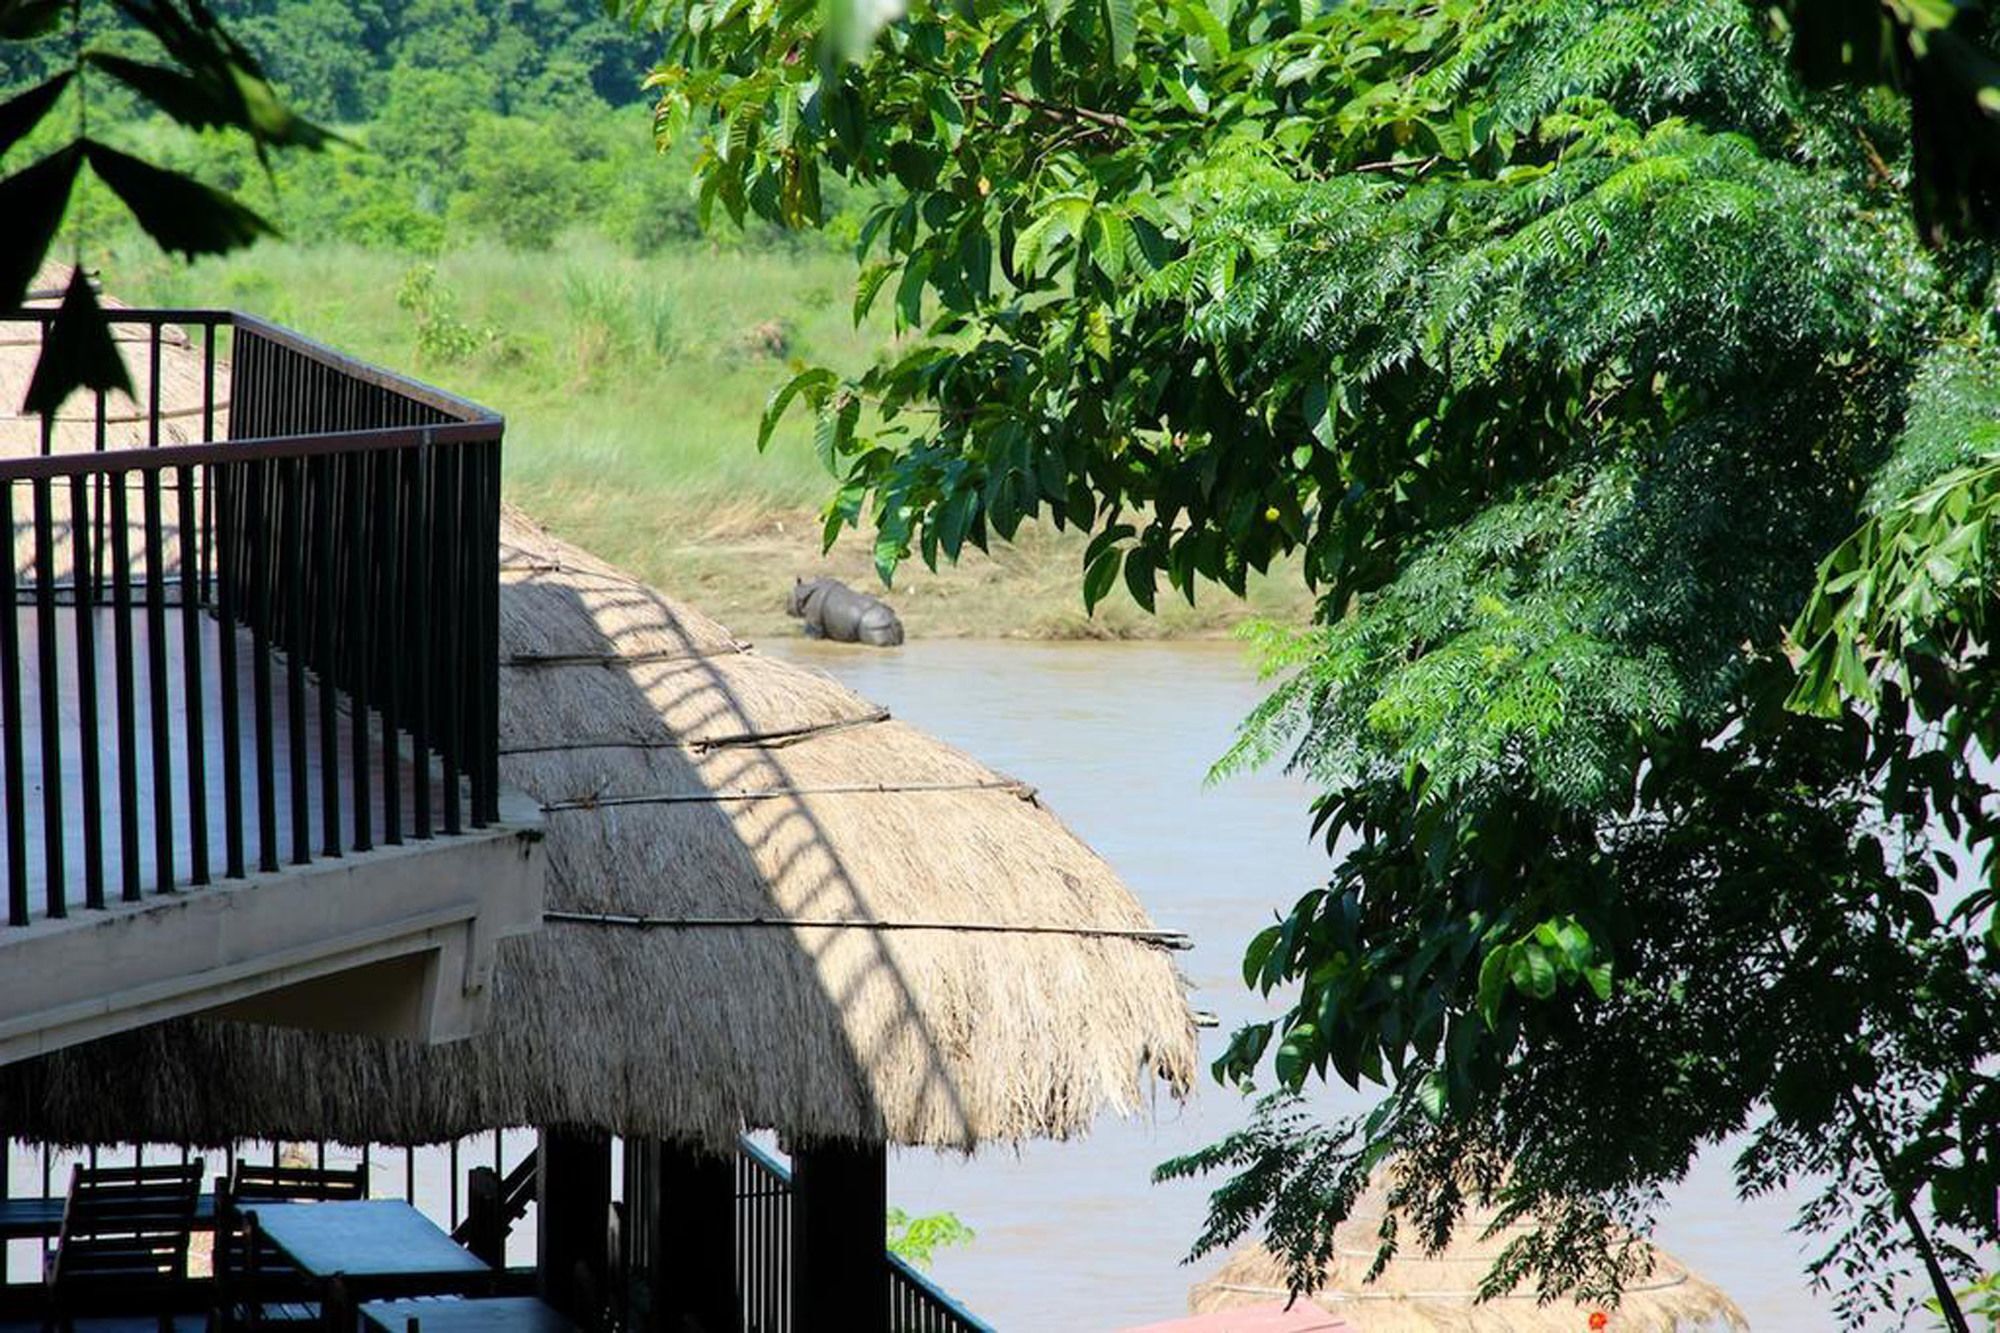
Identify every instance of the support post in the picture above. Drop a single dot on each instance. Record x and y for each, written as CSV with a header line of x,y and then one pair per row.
x,y
840,1220
485,1220
681,1213
573,1216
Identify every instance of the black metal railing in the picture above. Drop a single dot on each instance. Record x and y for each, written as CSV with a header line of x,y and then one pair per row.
x,y
764,1260
763,1240
248,631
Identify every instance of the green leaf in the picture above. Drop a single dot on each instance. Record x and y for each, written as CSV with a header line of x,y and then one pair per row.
x,y
1100,575
1493,976
1258,956
21,113
1141,577
32,201
1533,971
78,352
815,383
868,285
1432,1095
181,214
1121,21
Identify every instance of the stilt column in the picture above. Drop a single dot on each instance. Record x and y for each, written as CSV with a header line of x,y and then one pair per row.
x,y
680,1207
573,1213
840,1219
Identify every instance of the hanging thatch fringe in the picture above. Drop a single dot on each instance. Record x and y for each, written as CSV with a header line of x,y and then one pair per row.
x,y
1165,939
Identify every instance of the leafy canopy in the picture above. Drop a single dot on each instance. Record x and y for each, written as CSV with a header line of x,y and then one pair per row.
x,y
1558,341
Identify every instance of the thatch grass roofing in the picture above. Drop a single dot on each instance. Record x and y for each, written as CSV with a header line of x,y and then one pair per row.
x,y
1429,1293
772,906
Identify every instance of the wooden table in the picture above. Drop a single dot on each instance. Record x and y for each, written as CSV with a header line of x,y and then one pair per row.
x,y
503,1314
369,1248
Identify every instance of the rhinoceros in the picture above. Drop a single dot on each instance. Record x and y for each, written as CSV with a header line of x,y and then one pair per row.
x,y
832,610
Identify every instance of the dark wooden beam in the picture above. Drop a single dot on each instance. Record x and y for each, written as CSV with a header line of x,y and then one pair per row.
x,y
573,1217
681,1227
840,1218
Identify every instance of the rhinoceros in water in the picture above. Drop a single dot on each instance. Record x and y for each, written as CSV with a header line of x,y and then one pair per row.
x,y
832,610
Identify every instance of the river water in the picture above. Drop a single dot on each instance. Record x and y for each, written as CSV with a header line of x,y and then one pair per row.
x,y
1118,738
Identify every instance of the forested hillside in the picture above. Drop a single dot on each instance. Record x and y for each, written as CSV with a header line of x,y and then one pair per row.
x,y
513,119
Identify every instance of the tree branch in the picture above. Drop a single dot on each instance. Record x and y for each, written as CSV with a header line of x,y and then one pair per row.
x,y
1107,119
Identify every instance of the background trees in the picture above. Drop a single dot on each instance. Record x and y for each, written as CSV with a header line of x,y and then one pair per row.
x,y
1560,340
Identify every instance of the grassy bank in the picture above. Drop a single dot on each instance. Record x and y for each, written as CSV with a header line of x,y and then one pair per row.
x,y
632,389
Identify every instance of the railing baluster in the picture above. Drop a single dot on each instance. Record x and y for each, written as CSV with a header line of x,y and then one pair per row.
x,y
418,583
388,500
123,687
323,472
487,665
454,601
366,472
207,544
10,716
55,889
156,662
192,650
226,482
88,749
257,526
98,553
153,386
292,573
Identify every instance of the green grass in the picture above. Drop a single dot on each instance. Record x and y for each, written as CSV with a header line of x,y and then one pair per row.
x,y
616,374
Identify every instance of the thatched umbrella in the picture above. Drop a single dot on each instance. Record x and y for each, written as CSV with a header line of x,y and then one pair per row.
x,y
1420,1293
771,906
188,404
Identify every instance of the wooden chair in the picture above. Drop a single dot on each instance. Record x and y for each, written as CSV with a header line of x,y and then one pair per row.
x,y
123,1246
255,1287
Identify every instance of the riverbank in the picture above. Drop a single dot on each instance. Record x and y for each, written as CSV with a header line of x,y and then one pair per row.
x,y
633,387
737,562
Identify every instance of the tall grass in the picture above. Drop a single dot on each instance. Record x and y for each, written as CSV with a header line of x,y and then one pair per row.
x,y
622,379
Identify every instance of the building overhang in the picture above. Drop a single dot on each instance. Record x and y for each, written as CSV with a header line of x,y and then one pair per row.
x,y
396,942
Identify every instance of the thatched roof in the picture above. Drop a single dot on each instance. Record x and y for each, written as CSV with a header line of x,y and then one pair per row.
x,y
182,385
773,906
1419,1293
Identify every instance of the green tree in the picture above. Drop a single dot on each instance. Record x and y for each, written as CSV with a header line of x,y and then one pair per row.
x,y
522,183
1558,341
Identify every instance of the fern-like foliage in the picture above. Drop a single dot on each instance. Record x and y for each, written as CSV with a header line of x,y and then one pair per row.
x,y
1558,341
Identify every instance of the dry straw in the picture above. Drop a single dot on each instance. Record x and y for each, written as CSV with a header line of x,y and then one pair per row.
x,y
1425,1293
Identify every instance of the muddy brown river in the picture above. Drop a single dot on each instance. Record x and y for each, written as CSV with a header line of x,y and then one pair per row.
x,y
1118,738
